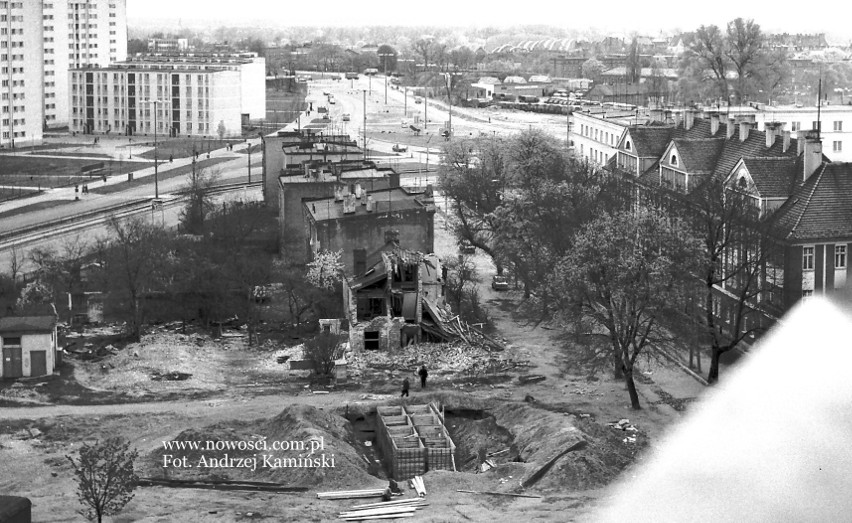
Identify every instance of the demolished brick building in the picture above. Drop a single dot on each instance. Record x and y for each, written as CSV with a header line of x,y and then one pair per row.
x,y
396,301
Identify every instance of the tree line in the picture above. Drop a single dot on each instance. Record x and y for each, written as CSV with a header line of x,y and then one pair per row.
x,y
620,268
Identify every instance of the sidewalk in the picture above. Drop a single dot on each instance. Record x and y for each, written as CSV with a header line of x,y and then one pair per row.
x,y
69,193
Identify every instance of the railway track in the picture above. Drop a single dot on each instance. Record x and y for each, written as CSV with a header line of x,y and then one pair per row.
x,y
89,219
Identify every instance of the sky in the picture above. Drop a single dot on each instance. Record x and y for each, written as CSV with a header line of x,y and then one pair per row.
x,y
645,17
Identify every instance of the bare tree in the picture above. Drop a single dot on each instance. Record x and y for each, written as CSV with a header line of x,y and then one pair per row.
x,y
105,477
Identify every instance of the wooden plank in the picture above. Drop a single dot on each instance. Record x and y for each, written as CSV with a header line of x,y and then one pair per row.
x,y
390,516
378,511
389,503
499,493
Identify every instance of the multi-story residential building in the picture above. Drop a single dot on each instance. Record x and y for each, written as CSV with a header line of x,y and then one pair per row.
x,y
168,45
800,241
595,136
835,123
54,36
193,94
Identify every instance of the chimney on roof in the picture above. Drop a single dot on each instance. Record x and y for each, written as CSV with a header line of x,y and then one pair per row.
x,y
369,201
714,123
813,153
358,190
656,114
731,126
338,193
307,166
688,119
771,131
667,115
800,141
677,118
745,127
786,143
349,204
364,197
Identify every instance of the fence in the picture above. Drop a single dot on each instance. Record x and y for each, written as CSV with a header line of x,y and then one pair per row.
x,y
413,440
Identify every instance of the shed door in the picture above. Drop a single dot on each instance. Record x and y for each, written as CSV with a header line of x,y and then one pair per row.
x,y
13,364
38,363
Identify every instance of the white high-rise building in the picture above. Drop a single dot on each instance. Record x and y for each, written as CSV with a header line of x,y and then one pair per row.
x,y
39,42
196,94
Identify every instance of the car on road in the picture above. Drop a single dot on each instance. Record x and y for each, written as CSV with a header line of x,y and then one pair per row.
x,y
500,283
418,100
400,148
345,117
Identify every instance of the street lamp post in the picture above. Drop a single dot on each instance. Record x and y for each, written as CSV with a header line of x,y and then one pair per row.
x,y
156,166
130,149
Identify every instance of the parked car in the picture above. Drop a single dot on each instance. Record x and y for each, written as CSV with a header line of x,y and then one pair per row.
x,y
345,117
500,283
418,100
400,148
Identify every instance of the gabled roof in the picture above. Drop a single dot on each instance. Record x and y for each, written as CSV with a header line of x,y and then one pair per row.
x,y
649,141
698,155
752,147
773,177
27,324
821,208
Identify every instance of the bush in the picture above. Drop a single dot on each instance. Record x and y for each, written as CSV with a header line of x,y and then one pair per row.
x,y
321,351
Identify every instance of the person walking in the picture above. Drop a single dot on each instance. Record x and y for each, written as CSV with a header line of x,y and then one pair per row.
x,y
423,373
405,386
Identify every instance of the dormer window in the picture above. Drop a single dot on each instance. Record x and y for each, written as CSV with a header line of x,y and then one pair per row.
x,y
674,160
742,183
627,145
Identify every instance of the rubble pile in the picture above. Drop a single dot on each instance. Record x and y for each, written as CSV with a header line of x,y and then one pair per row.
x,y
456,357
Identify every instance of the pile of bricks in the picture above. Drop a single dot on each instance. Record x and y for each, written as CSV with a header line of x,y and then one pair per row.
x,y
414,440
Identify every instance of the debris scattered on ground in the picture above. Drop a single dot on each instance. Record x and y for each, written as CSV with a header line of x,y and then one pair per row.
x,y
440,358
351,494
499,493
623,424
532,378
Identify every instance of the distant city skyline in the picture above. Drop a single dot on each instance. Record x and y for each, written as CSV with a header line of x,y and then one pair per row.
x,y
619,15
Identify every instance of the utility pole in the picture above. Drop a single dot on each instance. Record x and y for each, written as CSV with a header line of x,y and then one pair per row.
x,y
405,107
365,124
248,149
156,180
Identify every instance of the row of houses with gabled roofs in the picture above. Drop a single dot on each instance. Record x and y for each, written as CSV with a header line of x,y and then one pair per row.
x,y
804,198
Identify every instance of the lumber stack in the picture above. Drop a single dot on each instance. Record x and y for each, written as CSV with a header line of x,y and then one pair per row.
x,y
417,484
352,494
403,508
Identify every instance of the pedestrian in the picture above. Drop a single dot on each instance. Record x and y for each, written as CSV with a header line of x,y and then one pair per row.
x,y
405,386
423,374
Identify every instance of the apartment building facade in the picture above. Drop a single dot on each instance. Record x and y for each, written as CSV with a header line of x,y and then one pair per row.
x,y
835,123
595,137
176,95
39,43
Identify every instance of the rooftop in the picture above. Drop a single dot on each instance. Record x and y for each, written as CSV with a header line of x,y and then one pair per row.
x,y
27,324
385,201
821,208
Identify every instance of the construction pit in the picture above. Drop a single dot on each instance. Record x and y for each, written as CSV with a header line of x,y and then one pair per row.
x,y
455,445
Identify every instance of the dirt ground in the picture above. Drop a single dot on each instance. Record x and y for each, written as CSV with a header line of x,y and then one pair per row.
x,y
236,393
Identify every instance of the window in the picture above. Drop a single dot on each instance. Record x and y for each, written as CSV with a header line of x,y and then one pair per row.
x,y
838,125
839,256
627,145
11,340
816,125
807,294
795,126
837,146
674,160
807,258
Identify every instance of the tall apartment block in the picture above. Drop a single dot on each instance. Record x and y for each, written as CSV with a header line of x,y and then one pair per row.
x,y
196,94
54,37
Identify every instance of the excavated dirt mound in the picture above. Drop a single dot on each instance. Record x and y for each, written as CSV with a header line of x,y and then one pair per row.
x,y
337,464
534,436
541,435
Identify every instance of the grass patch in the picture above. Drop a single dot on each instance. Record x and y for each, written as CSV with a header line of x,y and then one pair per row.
x,y
183,147
33,207
149,180
41,172
74,155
